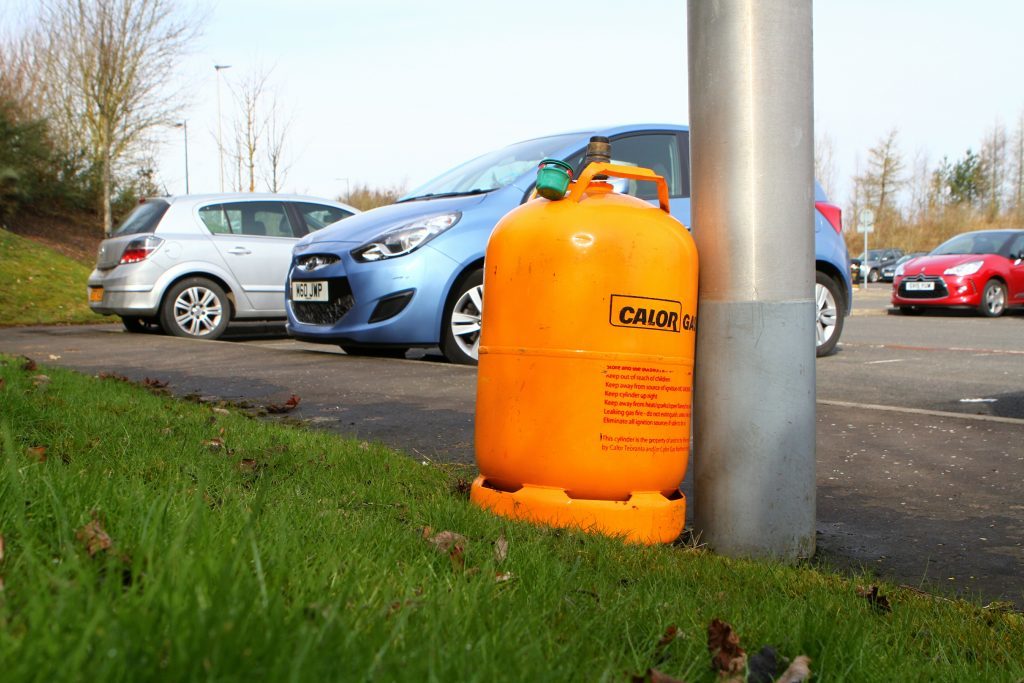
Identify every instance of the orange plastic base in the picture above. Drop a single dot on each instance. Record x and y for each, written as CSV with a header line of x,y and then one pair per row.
x,y
647,517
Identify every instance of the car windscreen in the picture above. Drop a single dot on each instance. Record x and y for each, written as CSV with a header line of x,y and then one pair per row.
x,y
973,243
494,170
144,218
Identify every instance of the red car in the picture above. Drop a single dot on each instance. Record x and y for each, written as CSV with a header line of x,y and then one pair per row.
x,y
983,270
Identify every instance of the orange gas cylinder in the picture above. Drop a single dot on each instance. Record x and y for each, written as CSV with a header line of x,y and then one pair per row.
x,y
586,362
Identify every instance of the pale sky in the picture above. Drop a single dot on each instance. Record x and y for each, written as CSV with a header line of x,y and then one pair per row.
x,y
396,91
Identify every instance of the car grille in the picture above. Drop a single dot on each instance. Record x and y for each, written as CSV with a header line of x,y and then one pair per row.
x,y
940,291
339,302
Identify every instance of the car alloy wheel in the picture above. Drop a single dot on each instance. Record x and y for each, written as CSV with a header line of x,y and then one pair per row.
x,y
993,299
828,322
460,340
196,308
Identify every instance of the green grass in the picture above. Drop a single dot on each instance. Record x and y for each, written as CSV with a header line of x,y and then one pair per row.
x,y
40,285
292,555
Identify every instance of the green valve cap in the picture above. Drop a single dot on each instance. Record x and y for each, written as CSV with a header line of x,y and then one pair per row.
x,y
553,178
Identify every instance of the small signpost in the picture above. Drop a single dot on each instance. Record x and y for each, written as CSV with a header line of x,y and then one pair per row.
x,y
866,225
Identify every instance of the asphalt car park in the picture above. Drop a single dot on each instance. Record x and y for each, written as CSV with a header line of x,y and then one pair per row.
x,y
920,465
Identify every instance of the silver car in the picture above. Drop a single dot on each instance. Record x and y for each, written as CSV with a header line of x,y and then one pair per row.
x,y
188,265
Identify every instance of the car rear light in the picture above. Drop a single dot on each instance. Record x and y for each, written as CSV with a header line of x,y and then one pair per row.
x,y
833,214
140,248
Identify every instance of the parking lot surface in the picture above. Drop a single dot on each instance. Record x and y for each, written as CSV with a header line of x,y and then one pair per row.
x,y
919,441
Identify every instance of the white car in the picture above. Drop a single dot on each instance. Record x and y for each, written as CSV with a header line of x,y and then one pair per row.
x,y
189,264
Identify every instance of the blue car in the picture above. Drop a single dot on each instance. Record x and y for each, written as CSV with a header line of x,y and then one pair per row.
x,y
411,274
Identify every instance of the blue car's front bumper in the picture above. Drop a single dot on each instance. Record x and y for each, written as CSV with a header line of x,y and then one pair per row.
x,y
402,297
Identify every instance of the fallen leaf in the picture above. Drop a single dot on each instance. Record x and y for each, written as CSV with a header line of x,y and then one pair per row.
x,y
27,364
426,532
462,487
364,446
1,548
37,453
444,541
221,411
214,444
457,556
247,465
500,549
727,657
879,602
94,537
671,633
153,383
798,671
502,577
40,379
54,356
291,404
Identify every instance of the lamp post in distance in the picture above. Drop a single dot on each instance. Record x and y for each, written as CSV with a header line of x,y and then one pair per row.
x,y
184,126
220,144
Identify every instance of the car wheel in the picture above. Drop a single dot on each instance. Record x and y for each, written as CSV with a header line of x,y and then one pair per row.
x,y
911,310
828,324
374,351
140,324
993,299
196,308
873,275
460,334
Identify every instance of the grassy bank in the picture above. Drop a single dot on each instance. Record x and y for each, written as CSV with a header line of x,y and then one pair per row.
x,y
146,538
40,286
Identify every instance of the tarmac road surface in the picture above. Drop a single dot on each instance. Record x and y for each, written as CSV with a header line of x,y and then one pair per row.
x,y
914,483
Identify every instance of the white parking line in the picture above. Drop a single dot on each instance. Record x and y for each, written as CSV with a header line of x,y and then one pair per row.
x,y
891,360
920,411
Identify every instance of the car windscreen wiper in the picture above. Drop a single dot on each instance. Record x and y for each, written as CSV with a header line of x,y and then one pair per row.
x,y
437,195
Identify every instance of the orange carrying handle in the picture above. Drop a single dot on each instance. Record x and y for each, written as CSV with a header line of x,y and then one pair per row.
x,y
614,170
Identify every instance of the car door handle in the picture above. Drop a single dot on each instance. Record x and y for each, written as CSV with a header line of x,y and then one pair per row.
x,y
239,251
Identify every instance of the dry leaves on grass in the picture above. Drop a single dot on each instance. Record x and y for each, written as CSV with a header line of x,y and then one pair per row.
x,y
93,537
450,543
27,364
731,663
154,384
1,548
500,549
727,657
114,376
36,453
879,602
291,404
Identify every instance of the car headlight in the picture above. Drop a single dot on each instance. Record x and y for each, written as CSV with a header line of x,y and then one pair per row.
x,y
405,238
899,270
969,268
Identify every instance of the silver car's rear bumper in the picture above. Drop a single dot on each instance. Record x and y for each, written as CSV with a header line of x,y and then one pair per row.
x,y
127,290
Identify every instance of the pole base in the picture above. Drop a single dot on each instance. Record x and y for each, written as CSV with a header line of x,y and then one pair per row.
x,y
648,517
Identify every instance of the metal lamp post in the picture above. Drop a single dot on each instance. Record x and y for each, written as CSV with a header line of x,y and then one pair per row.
x,y
184,126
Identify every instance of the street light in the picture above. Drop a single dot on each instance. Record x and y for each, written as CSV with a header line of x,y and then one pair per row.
x,y
184,126
220,145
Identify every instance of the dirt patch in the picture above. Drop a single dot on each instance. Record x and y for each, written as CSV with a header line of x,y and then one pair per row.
x,y
77,237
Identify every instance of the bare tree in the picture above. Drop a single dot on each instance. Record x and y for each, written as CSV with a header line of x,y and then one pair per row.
x,y
260,132
277,134
249,126
994,165
879,184
107,65
1017,153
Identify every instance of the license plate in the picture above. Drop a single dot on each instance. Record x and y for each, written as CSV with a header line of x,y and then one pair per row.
x,y
920,286
95,295
309,291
